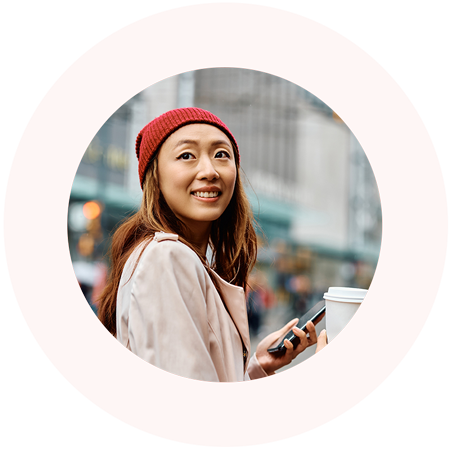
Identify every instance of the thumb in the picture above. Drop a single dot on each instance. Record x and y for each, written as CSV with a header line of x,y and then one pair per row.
x,y
273,337
321,340
287,327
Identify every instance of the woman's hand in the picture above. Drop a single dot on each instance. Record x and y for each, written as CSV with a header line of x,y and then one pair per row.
x,y
271,363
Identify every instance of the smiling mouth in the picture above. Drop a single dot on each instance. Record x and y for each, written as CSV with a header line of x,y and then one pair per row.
x,y
206,194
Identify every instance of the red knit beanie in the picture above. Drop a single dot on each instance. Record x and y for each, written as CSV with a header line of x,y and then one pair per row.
x,y
153,135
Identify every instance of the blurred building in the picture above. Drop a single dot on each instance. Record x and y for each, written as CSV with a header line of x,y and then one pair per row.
x,y
311,186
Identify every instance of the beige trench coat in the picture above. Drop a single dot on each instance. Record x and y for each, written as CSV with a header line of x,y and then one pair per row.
x,y
170,314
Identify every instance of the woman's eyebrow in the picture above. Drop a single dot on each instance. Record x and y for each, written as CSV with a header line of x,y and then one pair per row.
x,y
194,142
186,141
220,142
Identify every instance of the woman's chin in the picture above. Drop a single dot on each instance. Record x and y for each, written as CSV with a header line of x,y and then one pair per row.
x,y
199,221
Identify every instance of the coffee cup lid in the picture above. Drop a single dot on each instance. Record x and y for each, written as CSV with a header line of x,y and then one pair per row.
x,y
345,294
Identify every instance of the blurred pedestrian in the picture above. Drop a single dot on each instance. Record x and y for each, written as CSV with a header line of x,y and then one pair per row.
x,y
255,305
300,288
164,300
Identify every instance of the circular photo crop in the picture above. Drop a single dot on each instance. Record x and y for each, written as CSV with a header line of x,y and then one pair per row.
x,y
266,200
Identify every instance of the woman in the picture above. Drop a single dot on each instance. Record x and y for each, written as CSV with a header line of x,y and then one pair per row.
x,y
164,300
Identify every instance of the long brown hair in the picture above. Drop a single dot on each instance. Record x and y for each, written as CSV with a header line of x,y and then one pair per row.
x,y
232,240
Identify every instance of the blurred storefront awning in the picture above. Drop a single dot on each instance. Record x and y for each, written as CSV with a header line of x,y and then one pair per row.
x,y
276,217
112,195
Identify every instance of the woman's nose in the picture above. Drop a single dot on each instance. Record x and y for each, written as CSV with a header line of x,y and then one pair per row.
x,y
206,169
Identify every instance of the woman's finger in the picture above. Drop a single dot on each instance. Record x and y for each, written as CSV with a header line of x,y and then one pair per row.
x,y
273,337
289,348
321,341
303,340
312,333
288,327
270,340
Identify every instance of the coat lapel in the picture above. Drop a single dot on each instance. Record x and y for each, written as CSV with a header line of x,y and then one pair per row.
x,y
234,299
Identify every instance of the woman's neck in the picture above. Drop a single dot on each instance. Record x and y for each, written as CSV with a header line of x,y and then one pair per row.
x,y
200,237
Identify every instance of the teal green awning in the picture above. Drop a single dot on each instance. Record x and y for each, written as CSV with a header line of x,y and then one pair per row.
x,y
111,195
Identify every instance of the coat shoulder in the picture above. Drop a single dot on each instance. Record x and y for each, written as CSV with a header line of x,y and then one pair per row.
x,y
160,254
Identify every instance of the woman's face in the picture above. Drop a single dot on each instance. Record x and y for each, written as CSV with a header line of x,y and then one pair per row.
x,y
197,174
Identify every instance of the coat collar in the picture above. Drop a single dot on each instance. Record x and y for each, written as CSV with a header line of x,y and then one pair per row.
x,y
233,297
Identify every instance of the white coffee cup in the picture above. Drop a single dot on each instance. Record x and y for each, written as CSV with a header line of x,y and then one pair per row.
x,y
341,304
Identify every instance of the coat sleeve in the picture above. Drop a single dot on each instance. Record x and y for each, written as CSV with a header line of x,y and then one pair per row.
x,y
254,369
168,324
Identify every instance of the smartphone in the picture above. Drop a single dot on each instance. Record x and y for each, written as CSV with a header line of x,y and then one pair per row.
x,y
313,315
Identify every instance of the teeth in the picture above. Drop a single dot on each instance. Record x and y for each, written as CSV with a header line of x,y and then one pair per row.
x,y
206,194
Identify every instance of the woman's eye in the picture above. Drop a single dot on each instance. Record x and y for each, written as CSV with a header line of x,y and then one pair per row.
x,y
222,154
186,156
